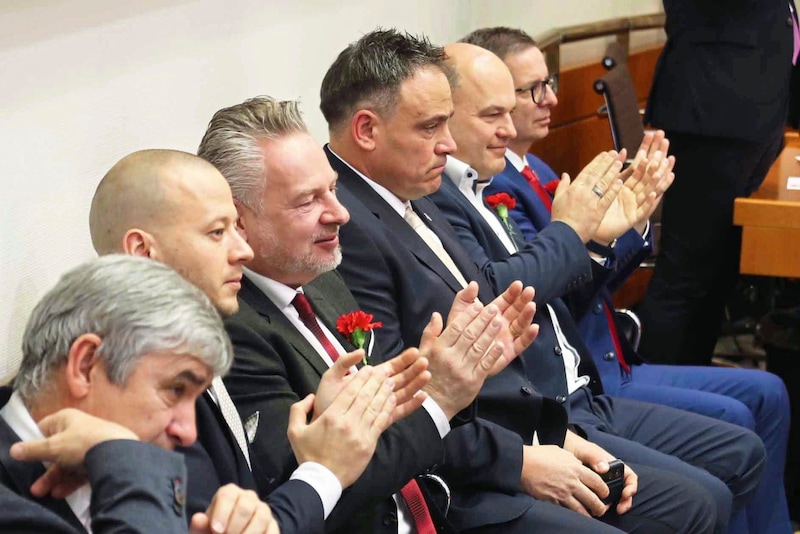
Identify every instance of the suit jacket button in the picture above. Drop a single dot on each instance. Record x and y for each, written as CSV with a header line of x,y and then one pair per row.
x,y
179,496
525,390
561,398
608,356
557,350
390,519
598,308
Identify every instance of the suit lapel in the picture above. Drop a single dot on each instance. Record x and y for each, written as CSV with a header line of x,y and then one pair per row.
x,y
265,307
19,476
396,224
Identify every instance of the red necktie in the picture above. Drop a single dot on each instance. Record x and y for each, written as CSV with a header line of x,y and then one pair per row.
x,y
533,180
419,509
300,303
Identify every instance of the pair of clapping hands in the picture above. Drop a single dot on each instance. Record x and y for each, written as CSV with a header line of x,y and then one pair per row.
x,y
603,201
349,411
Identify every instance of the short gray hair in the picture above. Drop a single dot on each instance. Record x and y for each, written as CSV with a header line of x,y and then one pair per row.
x,y
231,142
136,305
369,73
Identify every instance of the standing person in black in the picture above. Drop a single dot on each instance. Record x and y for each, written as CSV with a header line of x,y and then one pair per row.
x,y
721,93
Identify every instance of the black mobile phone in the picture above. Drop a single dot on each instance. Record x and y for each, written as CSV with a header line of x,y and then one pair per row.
x,y
614,479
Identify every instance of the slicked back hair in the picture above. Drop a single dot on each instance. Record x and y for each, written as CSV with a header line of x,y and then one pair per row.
x,y
500,40
369,72
137,306
232,142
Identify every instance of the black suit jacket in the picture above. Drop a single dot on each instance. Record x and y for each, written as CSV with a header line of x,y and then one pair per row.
x,y
275,366
725,69
394,275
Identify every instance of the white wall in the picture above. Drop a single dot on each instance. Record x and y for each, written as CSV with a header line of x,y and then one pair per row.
x,y
86,82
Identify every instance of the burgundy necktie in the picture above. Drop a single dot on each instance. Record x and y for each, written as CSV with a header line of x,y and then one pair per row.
x,y
301,304
533,180
411,491
419,509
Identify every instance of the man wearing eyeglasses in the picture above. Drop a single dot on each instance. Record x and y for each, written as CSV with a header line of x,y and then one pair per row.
x,y
753,399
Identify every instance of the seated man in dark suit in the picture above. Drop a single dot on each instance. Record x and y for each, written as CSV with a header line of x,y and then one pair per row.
x,y
750,398
387,102
177,209
116,464
290,215
648,434
123,339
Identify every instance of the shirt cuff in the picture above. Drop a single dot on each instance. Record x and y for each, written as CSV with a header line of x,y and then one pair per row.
x,y
646,233
438,416
323,481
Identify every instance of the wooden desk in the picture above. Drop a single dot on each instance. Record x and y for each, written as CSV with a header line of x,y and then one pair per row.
x,y
770,221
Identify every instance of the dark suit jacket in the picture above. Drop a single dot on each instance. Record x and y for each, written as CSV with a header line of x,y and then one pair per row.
x,y
395,276
554,263
275,366
136,487
531,215
725,69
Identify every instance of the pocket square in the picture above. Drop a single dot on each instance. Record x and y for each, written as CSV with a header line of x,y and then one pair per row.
x,y
251,426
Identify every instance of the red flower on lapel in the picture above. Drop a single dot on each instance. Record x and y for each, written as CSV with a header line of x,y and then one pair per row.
x,y
355,325
501,203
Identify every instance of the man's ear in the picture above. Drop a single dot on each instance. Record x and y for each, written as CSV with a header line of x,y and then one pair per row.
x,y
82,363
364,127
241,218
137,242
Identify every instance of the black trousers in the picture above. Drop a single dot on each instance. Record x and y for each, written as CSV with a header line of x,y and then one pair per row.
x,y
698,260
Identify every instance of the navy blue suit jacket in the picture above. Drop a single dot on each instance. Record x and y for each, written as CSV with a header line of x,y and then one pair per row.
x,y
532,216
394,275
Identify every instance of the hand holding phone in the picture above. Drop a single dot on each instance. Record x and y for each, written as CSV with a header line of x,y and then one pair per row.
x,y
615,480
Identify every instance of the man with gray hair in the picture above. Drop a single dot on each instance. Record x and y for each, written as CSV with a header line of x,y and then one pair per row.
x,y
286,334
128,341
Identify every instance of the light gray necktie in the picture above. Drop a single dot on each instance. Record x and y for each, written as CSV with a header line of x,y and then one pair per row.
x,y
433,242
231,415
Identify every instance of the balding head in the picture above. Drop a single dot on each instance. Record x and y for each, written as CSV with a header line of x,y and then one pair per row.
x,y
483,97
175,208
135,193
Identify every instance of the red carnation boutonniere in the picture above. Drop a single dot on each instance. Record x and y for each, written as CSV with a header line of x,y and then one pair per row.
x,y
354,326
501,203
551,187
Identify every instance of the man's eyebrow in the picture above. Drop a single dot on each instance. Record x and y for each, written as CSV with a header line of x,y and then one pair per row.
x,y
189,376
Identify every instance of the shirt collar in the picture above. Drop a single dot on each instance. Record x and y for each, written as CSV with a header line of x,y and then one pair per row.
x,y
460,173
280,294
19,419
398,205
518,162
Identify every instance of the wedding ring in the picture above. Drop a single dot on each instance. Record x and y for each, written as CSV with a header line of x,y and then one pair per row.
x,y
514,333
597,191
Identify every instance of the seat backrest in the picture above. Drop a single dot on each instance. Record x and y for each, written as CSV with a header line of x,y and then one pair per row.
x,y
619,92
